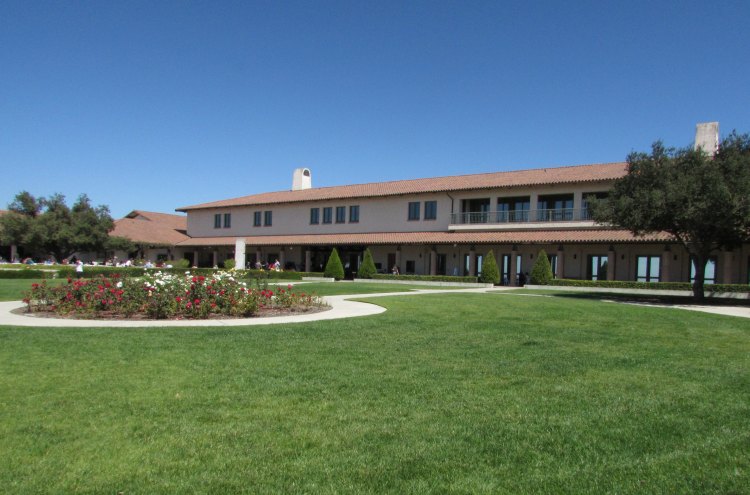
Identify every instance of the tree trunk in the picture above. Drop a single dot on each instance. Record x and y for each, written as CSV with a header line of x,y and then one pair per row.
x,y
699,262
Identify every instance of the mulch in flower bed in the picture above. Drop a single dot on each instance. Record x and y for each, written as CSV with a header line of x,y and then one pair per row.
x,y
111,315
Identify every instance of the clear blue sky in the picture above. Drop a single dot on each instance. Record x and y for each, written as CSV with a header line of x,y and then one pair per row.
x,y
157,105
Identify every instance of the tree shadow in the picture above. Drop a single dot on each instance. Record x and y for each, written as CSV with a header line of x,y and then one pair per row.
x,y
654,299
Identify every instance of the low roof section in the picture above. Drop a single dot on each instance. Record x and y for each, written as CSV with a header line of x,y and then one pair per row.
x,y
497,180
406,238
152,228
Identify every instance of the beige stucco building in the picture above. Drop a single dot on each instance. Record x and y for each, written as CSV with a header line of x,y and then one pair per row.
x,y
446,225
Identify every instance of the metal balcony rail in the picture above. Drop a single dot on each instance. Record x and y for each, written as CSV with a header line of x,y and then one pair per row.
x,y
517,216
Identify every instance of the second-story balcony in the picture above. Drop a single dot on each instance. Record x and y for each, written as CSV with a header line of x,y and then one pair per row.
x,y
520,218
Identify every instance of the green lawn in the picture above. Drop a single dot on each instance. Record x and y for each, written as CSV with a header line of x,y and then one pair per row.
x,y
339,288
14,289
443,393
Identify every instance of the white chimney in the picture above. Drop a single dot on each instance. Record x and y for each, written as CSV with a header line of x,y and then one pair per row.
x,y
707,137
302,179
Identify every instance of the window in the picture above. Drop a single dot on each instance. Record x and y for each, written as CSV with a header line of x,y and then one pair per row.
x,y
314,216
597,269
513,209
340,214
555,208
430,210
354,214
414,210
467,265
256,219
411,265
709,276
217,221
327,214
475,210
227,220
553,263
267,218
505,268
647,268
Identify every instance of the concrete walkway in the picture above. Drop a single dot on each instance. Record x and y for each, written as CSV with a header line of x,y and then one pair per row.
x,y
341,307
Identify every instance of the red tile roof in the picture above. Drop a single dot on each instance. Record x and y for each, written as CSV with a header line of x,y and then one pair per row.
x,y
557,175
389,238
152,228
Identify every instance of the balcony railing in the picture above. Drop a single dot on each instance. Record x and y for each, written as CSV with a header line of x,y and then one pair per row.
x,y
520,216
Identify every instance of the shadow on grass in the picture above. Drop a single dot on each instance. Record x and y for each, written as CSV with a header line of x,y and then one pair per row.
x,y
652,299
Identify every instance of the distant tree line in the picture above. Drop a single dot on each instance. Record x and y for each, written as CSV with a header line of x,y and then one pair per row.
x,y
47,227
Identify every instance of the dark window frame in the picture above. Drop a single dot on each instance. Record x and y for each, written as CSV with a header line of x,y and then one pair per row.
x,y
268,218
648,277
413,213
341,214
314,216
430,210
257,217
217,220
354,214
328,215
227,220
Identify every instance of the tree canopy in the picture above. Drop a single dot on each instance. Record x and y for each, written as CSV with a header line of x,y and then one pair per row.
x,y
367,268
702,201
490,273
47,226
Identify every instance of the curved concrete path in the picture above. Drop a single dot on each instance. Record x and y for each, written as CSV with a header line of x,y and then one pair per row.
x,y
341,307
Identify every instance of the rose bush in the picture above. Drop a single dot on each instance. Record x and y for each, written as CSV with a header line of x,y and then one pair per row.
x,y
164,295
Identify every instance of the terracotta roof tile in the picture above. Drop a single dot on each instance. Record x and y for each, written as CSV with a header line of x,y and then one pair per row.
x,y
496,180
388,238
151,227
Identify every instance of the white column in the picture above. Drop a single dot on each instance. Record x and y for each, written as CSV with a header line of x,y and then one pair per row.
x,y
308,260
282,258
239,254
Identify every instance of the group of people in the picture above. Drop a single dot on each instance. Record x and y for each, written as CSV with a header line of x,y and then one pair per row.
x,y
262,265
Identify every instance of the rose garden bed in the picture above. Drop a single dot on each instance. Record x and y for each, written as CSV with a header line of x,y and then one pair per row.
x,y
166,296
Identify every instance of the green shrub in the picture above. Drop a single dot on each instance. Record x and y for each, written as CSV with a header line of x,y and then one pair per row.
x,y
27,273
490,274
541,272
180,263
367,269
334,268
228,264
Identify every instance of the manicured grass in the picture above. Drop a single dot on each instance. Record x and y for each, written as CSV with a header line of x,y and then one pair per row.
x,y
339,288
443,393
14,289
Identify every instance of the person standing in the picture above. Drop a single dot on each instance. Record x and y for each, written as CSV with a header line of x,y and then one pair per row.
x,y
79,269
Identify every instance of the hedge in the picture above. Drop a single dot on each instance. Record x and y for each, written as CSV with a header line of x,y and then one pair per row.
x,y
427,278
27,273
136,271
628,284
